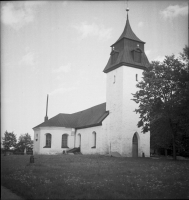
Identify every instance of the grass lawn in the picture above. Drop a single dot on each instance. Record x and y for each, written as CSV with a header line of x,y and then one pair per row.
x,y
94,177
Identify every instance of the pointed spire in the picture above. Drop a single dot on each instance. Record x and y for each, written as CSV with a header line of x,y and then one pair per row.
x,y
125,48
127,32
46,117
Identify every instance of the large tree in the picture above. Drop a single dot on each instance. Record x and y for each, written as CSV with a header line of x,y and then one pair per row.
x,y
163,99
24,142
9,140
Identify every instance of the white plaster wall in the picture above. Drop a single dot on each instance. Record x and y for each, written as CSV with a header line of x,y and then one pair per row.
x,y
130,118
114,101
87,139
36,142
56,140
105,142
122,119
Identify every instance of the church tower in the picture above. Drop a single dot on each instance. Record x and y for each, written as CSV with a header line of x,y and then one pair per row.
x,y
124,69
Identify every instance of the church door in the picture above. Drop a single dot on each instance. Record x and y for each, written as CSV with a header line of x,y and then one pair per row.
x,y
135,146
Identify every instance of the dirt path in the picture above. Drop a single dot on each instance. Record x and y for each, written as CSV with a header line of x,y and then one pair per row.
x,y
6,194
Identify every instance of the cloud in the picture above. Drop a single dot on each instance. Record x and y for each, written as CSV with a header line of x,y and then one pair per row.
x,y
173,11
140,24
63,68
93,30
62,90
17,14
159,58
28,59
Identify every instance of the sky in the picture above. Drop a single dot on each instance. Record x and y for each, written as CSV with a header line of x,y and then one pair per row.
x,y
60,48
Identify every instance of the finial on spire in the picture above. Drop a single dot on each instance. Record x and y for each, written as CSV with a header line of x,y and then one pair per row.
x,y
127,9
127,13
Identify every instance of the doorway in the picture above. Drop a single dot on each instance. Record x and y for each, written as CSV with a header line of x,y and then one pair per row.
x,y
135,146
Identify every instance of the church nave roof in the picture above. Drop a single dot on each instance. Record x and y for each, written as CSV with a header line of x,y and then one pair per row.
x,y
87,118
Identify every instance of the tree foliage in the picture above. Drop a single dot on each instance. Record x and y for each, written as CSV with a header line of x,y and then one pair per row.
x,y
24,141
163,99
9,140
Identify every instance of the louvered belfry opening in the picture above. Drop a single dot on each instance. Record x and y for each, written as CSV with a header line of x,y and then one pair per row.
x,y
137,56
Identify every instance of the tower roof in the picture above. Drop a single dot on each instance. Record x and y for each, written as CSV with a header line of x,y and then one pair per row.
x,y
128,33
128,51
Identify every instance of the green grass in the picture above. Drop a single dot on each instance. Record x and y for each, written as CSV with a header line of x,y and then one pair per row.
x,y
94,177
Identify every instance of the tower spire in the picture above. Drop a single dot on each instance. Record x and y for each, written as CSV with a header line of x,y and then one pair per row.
x,y
46,117
126,49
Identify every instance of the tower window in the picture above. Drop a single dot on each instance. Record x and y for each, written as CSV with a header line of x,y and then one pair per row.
x,y
136,77
114,79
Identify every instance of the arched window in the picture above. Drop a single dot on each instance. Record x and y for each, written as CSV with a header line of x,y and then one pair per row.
x,y
93,139
48,140
135,139
65,141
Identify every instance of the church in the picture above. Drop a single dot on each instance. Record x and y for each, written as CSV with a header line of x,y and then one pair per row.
x,y
110,127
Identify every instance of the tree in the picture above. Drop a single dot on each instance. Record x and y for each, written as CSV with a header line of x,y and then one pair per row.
x,y
163,99
24,141
9,140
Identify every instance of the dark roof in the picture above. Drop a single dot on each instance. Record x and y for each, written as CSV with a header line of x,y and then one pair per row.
x,y
125,51
128,33
87,118
125,58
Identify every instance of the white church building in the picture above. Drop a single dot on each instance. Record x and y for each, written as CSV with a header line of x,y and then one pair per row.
x,y
111,126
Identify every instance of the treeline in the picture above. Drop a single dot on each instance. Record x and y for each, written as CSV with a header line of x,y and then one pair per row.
x,y
10,142
163,99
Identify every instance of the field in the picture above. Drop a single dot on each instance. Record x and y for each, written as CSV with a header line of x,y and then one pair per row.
x,y
95,177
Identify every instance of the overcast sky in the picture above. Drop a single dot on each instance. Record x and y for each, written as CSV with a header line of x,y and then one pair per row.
x,y
60,48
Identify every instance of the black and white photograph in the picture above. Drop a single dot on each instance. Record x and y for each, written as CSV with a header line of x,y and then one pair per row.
x,y
94,99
